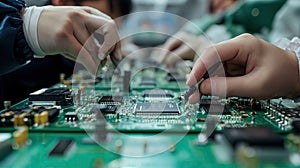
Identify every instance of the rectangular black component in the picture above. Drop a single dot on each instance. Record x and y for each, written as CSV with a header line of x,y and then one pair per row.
x,y
61,96
61,147
156,108
111,99
157,93
108,109
253,136
53,114
71,116
215,109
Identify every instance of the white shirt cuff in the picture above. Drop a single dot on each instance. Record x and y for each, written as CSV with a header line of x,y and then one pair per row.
x,y
30,28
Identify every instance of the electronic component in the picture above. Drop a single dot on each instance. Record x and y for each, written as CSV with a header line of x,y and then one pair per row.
x,y
28,116
52,96
7,104
111,100
20,136
253,136
71,116
215,109
107,109
61,147
157,93
282,116
156,108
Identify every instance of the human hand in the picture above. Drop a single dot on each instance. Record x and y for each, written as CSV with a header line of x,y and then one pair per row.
x,y
253,68
68,31
182,46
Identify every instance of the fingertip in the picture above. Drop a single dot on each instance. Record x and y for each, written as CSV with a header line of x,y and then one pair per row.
x,y
194,98
191,80
205,87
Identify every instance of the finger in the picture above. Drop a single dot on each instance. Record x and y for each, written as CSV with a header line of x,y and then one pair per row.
x,y
184,52
229,86
221,52
82,56
84,37
111,42
108,29
116,55
94,11
170,45
194,98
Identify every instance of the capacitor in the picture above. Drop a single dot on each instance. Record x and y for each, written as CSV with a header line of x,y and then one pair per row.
x,y
20,136
16,120
62,77
21,119
44,117
37,119
7,104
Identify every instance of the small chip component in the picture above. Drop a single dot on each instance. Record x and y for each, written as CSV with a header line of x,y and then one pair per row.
x,y
157,108
253,136
111,99
71,117
61,147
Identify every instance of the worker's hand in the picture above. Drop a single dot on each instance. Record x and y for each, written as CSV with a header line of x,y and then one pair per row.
x,y
253,68
67,31
181,46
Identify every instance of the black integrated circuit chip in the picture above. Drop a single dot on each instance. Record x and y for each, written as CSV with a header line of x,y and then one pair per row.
x,y
58,96
111,99
215,109
157,108
108,109
61,148
157,93
253,136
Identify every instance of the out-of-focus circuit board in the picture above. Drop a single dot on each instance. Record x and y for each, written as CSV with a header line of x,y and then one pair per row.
x,y
135,118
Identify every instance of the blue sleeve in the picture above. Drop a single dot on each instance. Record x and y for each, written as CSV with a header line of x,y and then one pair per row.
x,y
14,50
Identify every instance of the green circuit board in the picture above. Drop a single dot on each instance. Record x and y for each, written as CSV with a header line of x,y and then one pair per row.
x,y
145,123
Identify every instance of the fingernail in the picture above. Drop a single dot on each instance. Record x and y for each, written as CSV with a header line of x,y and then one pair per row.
x,y
102,56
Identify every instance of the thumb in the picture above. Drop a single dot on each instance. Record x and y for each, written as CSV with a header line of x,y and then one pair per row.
x,y
227,86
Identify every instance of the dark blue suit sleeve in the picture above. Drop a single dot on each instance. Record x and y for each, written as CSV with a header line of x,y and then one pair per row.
x,y
14,50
